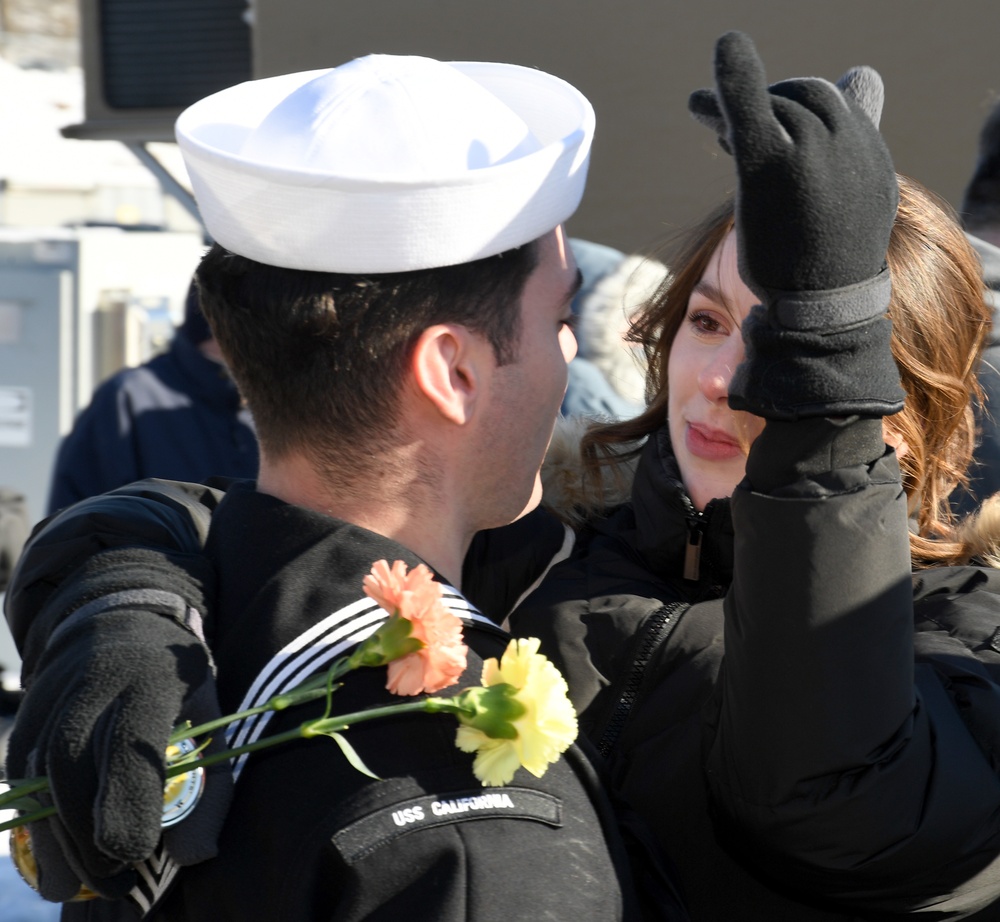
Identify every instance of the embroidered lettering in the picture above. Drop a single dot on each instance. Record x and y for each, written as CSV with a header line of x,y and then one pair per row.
x,y
368,833
408,815
499,801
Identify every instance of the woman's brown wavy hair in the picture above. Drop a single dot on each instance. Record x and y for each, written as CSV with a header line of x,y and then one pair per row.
x,y
940,324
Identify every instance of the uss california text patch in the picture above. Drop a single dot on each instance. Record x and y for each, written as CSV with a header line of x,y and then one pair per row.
x,y
371,832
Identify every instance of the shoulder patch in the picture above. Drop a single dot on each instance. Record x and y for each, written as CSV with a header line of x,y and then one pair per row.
x,y
371,832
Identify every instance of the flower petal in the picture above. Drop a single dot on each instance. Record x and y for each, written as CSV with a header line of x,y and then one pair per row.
x,y
416,597
544,729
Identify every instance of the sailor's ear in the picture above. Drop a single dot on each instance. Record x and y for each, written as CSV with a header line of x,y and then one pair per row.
x,y
449,364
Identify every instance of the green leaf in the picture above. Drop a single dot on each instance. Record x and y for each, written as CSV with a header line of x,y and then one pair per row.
x,y
352,756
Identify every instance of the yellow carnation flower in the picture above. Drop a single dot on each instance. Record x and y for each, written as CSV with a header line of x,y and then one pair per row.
x,y
535,732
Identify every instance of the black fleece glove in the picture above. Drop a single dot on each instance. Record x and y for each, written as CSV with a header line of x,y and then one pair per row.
x,y
863,85
102,696
816,203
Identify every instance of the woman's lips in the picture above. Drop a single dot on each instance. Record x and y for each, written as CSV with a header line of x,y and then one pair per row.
x,y
711,444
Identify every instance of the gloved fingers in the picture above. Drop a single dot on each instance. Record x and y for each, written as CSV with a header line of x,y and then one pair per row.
x,y
129,746
128,741
104,749
56,880
61,870
130,821
100,711
194,838
813,129
29,755
743,94
797,102
704,106
864,86
54,736
73,763
123,763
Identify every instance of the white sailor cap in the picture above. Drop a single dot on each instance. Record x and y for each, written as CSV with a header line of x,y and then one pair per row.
x,y
388,163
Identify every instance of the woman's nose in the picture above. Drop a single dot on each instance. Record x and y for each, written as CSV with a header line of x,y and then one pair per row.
x,y
714,384
718,372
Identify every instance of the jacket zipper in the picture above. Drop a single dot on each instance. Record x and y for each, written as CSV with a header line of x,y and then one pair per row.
x,y
654,632
692,551
696,523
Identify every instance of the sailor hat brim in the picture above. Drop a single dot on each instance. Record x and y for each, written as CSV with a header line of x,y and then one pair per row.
x,y
388,163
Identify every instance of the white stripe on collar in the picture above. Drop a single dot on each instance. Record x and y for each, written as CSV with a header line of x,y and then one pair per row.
x,y
315,650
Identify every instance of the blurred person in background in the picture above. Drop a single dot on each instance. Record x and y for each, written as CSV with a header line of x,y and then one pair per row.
x,y
179,416
13,533
607,377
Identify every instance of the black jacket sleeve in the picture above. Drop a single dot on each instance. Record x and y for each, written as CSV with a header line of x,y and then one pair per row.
x,y
173,517
836,765
156,515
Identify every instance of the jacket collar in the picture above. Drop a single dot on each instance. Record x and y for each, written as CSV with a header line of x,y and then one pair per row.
x,y
671,536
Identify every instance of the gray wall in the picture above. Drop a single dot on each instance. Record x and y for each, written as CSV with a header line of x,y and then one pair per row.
x,y
653,168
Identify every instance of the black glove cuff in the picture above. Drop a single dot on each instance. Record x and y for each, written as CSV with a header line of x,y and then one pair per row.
x,y
786,455
117,579
830,311
149,601
798,375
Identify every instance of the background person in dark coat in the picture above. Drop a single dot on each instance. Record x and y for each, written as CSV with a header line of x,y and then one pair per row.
x,y
178,417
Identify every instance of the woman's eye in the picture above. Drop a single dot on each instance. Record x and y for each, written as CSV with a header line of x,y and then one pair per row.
x,y
705,322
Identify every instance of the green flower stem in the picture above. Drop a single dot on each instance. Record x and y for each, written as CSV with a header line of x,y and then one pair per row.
x,y
34,817
310,728
278,703
31,786
343,721
368,653
310,690
205,761
316,687
321,727
10,797
177,768
371,652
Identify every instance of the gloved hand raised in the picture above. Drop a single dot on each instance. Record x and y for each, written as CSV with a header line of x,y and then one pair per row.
x,y
112,660
815,206
863,85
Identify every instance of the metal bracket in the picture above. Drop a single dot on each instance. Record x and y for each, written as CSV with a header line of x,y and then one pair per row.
x,y
167,181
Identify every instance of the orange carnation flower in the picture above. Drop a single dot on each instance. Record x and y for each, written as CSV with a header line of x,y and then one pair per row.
x,y
416,597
